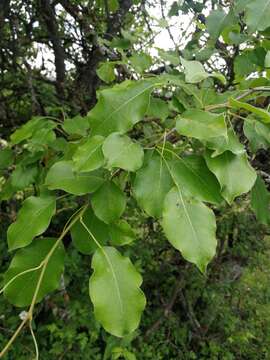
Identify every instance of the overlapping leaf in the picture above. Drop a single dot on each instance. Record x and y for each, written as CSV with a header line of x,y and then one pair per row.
x,y
152,183
33,219
120,151
20,291
120,108
233,172
190,227
62,176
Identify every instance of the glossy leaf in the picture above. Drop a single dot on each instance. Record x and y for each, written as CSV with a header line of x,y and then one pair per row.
x,y
235,175
153,181
120,107
89,156
120,151
20,292
192,175
62,176
190,227
114,289
260,201
76,126
108,202
201,124
82,239
33,219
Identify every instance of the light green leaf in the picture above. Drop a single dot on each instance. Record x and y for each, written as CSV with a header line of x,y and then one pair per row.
x,y
153,181
27,130
108,202
261,113
190,227
114,289
267,59
120,107
121,233
257,139
260,201
89,156
21,291
106,72
194,71
191,174
201,124
62,176
82,239
257,15
170,56
76,126
216,22
222,144
120,151
235,175
33,219
141,62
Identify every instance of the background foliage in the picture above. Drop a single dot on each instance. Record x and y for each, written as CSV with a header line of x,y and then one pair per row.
x,y
60,59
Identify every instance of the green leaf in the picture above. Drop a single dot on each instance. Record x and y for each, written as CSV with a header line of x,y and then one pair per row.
x,y
108,202
76,126
235,175
21,291
257,139
27,130
190,227
114,289
192,175
62,176
82,239
6,158
140,62
158,109
201,124
121,233
106,72
89,156
261,113
120,151
33,219
153,181
23,176
222,144
169,56
267,59
194,71
257,15
120,108
216,22
260,201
